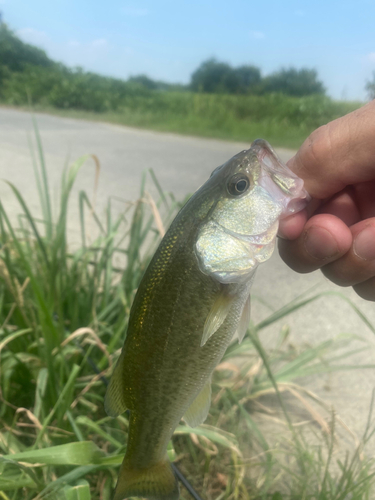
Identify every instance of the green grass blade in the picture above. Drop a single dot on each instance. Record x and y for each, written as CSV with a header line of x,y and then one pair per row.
x,y
162,195
30,220
26,470
40,391
16,482
51,336
81,453
263,355
285,311
82,420
60,401
68,478
215,435
38,181
45,189
81,491
249,421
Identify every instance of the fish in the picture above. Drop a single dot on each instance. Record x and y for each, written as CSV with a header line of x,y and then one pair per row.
x,y
192,301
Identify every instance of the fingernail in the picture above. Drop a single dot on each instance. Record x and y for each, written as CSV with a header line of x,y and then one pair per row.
x,y
364,243
320,244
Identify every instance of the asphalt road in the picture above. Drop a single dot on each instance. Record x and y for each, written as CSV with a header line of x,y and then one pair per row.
x,y
182,164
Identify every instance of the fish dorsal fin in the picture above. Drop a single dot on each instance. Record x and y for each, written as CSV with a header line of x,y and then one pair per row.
x,y
216,316
244,321
198,410
114,401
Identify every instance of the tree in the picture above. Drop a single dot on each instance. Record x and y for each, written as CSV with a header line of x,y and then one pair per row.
x,y
212,76
248,78
215,77
16,55
370,87
294,82
144,80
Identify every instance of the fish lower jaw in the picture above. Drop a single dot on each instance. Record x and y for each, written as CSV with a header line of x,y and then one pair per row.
x,y
228,277
258,240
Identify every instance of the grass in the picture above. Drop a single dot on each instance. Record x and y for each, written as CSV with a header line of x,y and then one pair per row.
x,y
63,310
282,120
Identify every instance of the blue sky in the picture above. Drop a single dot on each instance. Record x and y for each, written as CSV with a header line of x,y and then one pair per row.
x,y
168,39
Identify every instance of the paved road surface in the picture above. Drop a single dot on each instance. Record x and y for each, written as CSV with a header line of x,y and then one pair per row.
x,y
182,164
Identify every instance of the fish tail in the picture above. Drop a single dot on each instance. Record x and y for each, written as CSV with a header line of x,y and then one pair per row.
x,y
157,482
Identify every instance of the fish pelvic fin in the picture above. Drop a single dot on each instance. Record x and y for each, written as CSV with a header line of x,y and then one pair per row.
x,y
198,410
157,482
243,324
114,401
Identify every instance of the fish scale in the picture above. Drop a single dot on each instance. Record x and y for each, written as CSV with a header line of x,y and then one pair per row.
x,y
188,307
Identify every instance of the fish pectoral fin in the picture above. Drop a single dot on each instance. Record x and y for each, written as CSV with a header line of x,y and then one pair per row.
x,y
198,410
244,321
114,401
216,316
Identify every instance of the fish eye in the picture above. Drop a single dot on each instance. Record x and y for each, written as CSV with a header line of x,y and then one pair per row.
x,y
238,185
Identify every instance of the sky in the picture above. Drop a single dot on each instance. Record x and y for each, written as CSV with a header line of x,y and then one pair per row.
x,y
169,39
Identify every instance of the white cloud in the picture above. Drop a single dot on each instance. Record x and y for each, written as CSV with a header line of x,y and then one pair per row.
x,y
135,11
30,35
371,57
127,50
74,43
258,35
101,42
94,55
99,54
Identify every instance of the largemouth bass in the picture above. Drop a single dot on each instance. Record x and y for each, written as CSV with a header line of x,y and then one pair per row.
x,y
193,299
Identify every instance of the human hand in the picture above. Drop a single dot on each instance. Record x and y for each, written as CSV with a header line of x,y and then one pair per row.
x,y
337,230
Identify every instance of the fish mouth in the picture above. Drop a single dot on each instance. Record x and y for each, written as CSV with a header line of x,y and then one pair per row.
x,y
281,183
295,205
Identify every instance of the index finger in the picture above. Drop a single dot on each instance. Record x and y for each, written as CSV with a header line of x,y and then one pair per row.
x,y
338,154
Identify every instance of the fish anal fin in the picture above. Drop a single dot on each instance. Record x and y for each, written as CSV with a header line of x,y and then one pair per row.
x,y
216,317
198,410
114,401
157,482
243,324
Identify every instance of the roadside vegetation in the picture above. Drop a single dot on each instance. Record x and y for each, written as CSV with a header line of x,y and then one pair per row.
x,y
370,87
63,317
220,101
